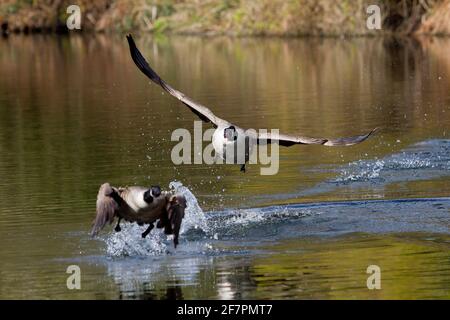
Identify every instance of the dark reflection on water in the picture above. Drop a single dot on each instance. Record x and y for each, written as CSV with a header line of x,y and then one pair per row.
x,y
75,112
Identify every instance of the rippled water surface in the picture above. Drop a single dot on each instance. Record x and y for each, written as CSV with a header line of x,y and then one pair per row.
x,y
75,112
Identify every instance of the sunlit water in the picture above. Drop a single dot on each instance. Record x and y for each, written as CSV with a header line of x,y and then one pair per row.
x,y
75,112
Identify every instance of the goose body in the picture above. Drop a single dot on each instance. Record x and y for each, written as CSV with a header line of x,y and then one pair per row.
x,y
232,144
225,130
141,205
136,208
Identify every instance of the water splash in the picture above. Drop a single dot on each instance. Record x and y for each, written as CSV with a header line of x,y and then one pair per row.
x,y
129,241
198,229
245,227
424,160
194,216
253,217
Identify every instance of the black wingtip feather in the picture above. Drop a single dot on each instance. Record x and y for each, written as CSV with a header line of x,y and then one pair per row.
x,y
348,141
140,61
145,68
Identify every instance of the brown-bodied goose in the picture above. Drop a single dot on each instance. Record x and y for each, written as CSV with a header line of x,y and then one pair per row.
x,y
141,205
227,134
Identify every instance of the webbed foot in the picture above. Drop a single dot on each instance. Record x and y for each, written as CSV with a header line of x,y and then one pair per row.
x,y
147,231
118,228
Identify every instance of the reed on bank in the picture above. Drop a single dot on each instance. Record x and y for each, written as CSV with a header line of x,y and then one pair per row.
x,y
230,17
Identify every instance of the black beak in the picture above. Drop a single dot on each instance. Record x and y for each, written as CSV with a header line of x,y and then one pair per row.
x,y
156,191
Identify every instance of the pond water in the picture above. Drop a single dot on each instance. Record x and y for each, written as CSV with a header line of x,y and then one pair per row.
x,y
75,112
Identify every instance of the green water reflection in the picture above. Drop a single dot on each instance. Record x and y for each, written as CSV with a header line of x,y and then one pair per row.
x,y
75,112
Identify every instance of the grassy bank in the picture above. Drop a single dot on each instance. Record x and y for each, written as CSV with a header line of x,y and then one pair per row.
x,y
233,17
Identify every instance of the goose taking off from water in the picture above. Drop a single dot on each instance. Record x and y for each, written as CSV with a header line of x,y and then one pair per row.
x,y
141,205
227,134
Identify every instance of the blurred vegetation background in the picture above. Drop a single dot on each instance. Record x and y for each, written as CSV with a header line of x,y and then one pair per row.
x,y
231,17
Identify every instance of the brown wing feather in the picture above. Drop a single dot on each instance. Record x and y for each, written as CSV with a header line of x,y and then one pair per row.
x,y
288,140
106,208
175,209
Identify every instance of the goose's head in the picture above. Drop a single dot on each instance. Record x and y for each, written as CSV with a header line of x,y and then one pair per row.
x,y
230,133
152,192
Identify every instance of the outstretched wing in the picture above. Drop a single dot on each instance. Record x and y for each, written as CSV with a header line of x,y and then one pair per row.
x,y
289,140
201,111
106,207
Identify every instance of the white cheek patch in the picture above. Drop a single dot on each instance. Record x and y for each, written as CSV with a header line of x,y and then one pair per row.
x,y
139,201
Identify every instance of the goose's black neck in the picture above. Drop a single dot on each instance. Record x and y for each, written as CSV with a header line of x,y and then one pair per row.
x,y
148,196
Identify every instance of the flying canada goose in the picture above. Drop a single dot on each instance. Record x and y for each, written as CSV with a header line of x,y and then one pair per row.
x,y
228,135
141,205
